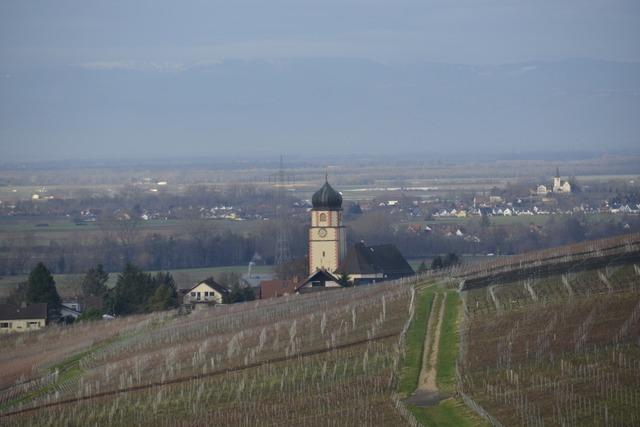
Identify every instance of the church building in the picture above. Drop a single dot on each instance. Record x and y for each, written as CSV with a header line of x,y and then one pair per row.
x,y
328,254
558,185
327,235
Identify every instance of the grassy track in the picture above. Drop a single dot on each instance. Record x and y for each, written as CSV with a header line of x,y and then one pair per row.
x,y
449,338
410,372
449,412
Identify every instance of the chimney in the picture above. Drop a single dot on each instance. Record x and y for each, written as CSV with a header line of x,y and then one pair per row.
x,y
251,264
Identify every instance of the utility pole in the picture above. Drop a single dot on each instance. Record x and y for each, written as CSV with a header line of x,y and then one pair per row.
x,y
283,247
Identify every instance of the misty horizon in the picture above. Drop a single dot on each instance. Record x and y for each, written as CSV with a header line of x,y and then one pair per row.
x,y
431,79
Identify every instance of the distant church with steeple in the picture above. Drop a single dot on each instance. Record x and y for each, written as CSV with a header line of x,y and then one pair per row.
x,y
558,185
330,262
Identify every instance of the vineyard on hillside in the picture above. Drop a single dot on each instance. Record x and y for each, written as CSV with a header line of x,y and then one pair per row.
x,y
546,338
556,349
594,254
321,359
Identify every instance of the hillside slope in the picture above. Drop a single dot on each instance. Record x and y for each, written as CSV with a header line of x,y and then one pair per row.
x,y
557,343
321,359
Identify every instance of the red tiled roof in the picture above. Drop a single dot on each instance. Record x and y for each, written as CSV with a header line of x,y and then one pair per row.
x,y
276,288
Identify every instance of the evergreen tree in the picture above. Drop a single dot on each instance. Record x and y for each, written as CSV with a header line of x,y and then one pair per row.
x,y
240,294
165,296
42,288
422,268
436,264
140,292
95,282
162,299
450,260
132,291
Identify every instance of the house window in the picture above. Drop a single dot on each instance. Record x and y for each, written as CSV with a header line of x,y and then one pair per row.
x,y
30,324
323,217
317,283
206,294
5,325
193,294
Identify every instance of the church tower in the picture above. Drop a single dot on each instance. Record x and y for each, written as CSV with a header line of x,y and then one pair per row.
x,y
327,235
557,185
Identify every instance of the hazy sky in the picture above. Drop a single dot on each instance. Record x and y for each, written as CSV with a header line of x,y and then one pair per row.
x,y
86,79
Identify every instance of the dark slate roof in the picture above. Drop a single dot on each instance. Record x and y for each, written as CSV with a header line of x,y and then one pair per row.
x,y
32,311
359,260
322,275
327,198
386,259
391,261
213,284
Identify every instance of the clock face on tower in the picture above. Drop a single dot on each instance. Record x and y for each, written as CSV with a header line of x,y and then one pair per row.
x,y
322,232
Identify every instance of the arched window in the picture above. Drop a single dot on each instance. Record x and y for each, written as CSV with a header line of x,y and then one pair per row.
x,y
323,217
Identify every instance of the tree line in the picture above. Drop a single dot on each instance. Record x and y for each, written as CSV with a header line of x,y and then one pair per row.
x,y
199,243
135,292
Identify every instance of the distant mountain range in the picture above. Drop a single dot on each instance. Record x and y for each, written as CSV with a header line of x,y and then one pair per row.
x,y
319,106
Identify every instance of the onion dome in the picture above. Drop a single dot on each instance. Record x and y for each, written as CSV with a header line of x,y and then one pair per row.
x,y
327,199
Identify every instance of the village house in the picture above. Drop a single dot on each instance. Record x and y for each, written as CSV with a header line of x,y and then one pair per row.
x,y
71,309
22,318
207,291
320,280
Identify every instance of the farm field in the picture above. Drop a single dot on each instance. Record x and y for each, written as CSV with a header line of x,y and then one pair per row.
x,y
47,227
560,349
246,364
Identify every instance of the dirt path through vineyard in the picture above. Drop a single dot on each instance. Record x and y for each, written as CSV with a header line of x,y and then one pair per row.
x,y
427,393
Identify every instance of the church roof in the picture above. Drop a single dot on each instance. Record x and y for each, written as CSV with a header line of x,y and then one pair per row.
x,y
327,198
385,259
359,260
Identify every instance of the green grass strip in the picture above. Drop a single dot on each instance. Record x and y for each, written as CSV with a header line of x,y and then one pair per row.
x,y
412,362
449,339
448,413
